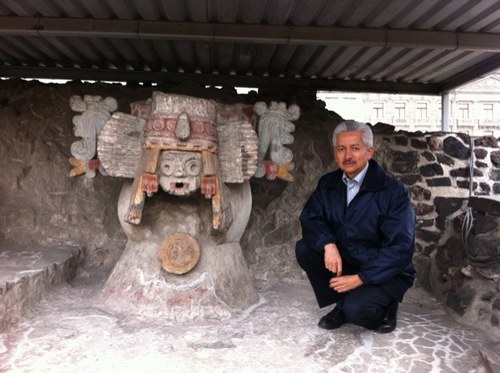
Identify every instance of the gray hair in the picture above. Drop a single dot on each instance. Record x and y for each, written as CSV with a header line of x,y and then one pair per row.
x,y
352,125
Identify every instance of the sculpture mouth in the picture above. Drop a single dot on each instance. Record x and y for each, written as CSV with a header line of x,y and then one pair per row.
x,y
179,189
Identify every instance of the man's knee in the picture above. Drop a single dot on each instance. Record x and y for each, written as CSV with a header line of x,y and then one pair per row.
x,y
361,314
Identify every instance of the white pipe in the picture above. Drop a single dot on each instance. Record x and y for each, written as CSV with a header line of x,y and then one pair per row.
x,y
445,112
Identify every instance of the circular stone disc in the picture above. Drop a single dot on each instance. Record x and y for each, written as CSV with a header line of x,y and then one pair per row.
x,y
179,253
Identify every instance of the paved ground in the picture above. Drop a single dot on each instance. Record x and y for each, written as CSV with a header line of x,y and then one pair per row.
x,y
71,331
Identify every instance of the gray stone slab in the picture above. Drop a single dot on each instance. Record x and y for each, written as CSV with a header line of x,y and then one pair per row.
x,y
29,272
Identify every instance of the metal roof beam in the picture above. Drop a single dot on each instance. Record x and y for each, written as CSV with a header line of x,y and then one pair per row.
x,y
476,71
244,33
218,80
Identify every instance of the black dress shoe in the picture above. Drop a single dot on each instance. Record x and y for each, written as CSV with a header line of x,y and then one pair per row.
x,y
390,319
333,319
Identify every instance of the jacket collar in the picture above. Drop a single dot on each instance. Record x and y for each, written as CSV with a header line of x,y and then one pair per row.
x,y
374,178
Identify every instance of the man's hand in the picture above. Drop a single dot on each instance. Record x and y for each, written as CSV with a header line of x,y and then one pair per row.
x,y
345,283
333,261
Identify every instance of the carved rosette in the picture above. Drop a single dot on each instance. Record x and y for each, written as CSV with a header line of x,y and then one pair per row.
x,y
179,253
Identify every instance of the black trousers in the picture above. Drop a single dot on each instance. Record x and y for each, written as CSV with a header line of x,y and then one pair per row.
x,y
365,305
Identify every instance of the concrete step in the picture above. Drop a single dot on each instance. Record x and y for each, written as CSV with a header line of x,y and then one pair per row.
x,y
27,273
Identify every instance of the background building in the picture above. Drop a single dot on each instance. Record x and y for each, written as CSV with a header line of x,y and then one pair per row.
x,y
474,108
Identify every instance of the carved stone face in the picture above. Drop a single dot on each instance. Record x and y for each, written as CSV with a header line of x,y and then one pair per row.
x,y
180,172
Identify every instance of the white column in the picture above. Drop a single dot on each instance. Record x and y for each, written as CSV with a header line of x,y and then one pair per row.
x,y
445,112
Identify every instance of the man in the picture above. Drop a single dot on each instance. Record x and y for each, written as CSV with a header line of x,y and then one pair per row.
x,y
358,235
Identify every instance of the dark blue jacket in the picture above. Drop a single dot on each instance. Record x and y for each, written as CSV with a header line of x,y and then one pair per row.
x,y
375,234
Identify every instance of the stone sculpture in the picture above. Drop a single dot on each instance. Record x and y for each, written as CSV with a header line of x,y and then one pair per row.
x,y
96,111
275,128
202,155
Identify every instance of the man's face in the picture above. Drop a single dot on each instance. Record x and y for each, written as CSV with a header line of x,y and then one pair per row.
x,y
351,153
180,172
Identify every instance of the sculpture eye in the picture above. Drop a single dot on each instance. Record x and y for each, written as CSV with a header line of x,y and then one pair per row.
x,y
167,168
193,167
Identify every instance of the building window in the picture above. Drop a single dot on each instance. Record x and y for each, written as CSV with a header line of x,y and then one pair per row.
x,y
463,110
378,110
400,110
421,110
488,111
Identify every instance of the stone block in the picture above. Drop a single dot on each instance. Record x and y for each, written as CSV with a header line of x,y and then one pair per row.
x,y
428,236
495,158
446,207
484,223
410,179
486,141
439,182
488,205
480,153
405,162
464,184
435,143
27,273
423,209
485,247
450,254
444,159
495,174
429,156
419,193
455,148
465,172
421,223
401,140
460,300
485,187
418,144
432,169
464,137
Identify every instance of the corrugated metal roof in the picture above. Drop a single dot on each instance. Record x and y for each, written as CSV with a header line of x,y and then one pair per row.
x,y
424,46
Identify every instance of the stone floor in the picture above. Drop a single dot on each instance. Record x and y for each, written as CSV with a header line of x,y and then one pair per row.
x,y
71,331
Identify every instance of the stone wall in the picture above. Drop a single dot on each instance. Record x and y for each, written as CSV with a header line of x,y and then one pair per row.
x,y
456,261
40,204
